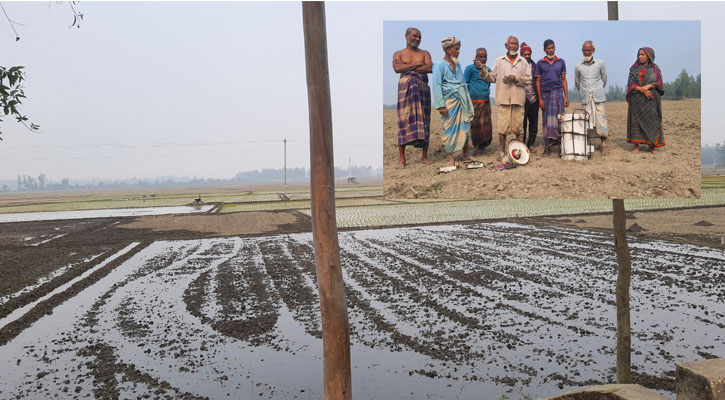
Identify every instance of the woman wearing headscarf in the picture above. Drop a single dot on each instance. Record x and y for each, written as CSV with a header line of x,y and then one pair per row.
x,y
644,95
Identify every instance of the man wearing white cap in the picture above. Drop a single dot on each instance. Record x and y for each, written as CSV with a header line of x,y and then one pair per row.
x,y
511,73
590,78
452,99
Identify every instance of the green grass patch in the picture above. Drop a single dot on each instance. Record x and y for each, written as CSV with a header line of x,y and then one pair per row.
x,y
712,182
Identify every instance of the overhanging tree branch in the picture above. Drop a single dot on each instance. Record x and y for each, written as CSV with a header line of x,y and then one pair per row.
x,y
11,22
12,95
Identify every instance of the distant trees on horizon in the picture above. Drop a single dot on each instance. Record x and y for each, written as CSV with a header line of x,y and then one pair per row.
x,y
41,182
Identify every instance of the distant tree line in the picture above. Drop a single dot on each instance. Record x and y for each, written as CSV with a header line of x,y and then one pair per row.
x,y
684,87
26,182
41,182
712,156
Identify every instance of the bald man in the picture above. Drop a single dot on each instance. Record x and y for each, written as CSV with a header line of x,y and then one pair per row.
x,y
414,102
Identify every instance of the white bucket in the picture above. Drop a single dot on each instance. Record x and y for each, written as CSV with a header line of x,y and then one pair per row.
x,y
574,141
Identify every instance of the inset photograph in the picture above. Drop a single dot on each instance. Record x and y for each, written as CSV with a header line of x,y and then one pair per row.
x,y
541,109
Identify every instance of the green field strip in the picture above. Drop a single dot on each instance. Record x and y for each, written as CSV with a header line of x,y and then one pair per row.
x,y
437,212
712,182
301,205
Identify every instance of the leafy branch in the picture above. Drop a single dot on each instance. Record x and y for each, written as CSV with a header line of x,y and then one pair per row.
x,y
12,95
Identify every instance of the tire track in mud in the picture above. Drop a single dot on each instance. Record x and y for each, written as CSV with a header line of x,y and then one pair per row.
x,y
359,305
443,274
248,303
14,328
363,318
76,269
153,265
455,340
106,369
282,259
400,243
462,325
542,291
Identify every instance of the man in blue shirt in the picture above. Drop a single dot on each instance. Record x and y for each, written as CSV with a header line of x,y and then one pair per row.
x,y
552,90
481,127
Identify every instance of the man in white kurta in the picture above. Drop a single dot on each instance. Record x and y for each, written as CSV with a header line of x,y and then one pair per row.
x,y
590,78
511,73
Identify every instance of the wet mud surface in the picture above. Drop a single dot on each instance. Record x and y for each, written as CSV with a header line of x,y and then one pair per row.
x,y
449,311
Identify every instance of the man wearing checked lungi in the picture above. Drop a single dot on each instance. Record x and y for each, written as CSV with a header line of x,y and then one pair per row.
x,y
413,64
552,90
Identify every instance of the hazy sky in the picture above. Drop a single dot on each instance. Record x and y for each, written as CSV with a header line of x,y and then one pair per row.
x,y
210,89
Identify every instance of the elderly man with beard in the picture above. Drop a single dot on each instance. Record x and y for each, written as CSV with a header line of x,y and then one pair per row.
x,y
452,99
511,73
413,65
590,78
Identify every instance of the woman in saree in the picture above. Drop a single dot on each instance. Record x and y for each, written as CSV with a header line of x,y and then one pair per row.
x,y
644,95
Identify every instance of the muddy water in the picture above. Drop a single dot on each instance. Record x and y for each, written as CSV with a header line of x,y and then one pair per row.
x,y
476,311
103,213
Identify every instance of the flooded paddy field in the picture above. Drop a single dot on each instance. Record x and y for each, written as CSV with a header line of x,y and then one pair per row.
x,y
483,310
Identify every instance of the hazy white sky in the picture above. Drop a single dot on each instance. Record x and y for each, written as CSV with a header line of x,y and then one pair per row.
x,y
209,89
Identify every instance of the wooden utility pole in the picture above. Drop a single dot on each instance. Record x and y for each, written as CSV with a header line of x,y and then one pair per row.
x,y
624,333
335,328
613,10
285,165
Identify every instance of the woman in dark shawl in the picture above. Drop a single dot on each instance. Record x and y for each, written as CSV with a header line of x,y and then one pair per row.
x,y
644,95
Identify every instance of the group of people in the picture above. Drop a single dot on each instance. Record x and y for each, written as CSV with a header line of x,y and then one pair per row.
x,y
523,87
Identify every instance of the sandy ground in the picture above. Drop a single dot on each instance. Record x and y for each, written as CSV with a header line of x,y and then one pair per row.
x,y
248,223
674,173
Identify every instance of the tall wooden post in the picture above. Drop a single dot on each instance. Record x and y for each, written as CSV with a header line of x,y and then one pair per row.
x,y
335,328
285,165
613,10
624,333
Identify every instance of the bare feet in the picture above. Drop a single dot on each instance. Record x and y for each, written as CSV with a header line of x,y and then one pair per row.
x,y
450,160
636,149
654,151
604,151
426,161
401,165
532,149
